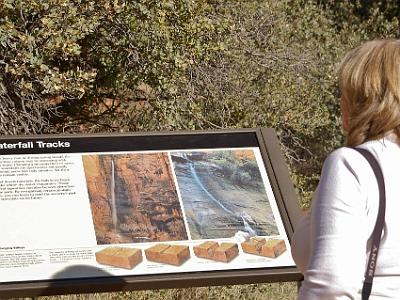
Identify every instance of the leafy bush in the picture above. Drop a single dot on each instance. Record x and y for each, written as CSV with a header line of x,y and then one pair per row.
x,y
114,65
40,59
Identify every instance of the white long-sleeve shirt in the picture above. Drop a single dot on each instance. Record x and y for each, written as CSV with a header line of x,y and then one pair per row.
x,y
331,245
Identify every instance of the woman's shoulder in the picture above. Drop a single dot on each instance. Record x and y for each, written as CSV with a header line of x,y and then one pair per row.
x,y
378,148
342,153
345,156
344,164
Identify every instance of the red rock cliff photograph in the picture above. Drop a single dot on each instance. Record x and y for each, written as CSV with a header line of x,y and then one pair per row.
x,y
133,198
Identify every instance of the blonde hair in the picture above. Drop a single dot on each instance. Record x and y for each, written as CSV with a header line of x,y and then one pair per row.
x,y
369,80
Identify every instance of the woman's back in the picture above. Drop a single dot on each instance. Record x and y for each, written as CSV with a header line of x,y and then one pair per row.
x,y
343,216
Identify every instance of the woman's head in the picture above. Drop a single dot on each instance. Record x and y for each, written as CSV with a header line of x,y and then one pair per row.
x,y
369,80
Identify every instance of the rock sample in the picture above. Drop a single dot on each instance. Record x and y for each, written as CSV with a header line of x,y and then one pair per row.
x,y
264,247
224,252
206,249
154,253
253,245
168,254
126,258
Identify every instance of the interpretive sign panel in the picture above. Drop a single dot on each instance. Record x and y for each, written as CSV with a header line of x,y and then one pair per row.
x,y
96,213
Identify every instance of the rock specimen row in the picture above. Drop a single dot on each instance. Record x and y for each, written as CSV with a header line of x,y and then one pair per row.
x,y
126,258
223,252
168,254
176,255
264,247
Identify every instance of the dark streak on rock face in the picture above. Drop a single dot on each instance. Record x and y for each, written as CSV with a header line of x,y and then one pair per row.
x,y
147,204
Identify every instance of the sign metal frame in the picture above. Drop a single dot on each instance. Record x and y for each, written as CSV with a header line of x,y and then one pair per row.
x,y
285,197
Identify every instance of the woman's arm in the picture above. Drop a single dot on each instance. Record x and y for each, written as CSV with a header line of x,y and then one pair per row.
x,y
338,231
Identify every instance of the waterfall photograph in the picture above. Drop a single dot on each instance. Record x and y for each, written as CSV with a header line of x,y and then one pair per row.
x,y
223,193
133,198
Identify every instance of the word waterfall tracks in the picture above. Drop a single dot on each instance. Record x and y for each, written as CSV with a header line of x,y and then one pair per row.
x,y
223,193
35,144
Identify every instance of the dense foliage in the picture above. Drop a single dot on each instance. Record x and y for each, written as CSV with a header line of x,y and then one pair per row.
x,y
78,65
114,65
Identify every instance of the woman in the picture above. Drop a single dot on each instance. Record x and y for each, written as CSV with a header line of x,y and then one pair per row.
x,y
332,244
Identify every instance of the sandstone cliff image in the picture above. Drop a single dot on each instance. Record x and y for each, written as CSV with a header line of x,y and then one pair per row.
x,y
223,193
133,198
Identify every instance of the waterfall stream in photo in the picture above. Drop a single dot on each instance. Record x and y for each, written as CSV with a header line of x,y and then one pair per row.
x,y
113,201
241,217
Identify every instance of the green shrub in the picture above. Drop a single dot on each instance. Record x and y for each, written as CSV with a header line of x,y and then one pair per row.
x,y
114,65
41,58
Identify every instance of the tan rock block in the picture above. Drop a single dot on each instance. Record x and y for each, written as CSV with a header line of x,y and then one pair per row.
x,y
154,253
168,254
126,258
206,249
258,239
226,252
267,252
175,255
252,246
273,248
264,247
